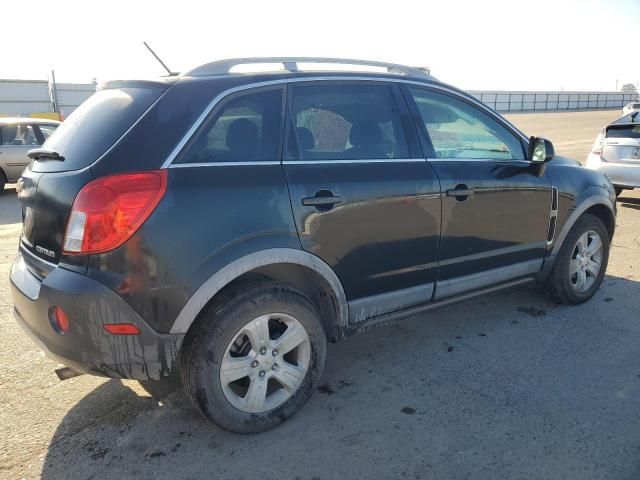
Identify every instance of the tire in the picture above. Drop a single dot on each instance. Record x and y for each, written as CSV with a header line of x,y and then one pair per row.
x,y
223,330
565,285
3,182
618,190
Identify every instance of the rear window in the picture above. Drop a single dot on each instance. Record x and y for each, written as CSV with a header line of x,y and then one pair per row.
x,y
623,131
95,126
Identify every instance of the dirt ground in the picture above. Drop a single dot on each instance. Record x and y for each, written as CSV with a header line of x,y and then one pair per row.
x,y
501,387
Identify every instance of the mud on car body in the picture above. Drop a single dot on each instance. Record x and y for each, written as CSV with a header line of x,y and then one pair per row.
x,y
225,226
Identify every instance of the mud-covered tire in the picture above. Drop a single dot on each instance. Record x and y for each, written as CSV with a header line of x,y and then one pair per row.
x,y
559,282
206,346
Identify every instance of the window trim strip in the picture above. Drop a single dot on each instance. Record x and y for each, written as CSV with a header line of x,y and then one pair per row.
x,y
286,81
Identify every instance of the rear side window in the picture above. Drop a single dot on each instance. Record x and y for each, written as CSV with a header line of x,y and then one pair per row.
x,y
96,125
345,122
19,135
459,130
245,128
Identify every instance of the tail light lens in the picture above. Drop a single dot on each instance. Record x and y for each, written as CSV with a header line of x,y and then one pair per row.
x,y
109,210
597,145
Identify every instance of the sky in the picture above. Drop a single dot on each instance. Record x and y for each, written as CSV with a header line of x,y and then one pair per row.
x,y
482,44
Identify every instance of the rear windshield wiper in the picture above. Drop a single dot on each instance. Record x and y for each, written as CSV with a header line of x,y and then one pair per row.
x,y
44,154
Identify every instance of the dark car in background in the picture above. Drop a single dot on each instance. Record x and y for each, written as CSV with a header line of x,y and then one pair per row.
x,y
227,225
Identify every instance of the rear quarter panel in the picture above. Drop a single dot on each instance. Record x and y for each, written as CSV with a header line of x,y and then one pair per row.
x,y
209,217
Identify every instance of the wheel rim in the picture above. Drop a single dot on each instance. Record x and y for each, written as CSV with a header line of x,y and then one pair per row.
x,y
265,363
586,261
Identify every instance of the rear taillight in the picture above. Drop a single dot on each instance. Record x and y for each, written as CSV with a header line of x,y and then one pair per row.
x,y
108,210
597,145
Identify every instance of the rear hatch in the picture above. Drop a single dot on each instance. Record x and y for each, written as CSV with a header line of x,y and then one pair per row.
x,y
61,168
621,143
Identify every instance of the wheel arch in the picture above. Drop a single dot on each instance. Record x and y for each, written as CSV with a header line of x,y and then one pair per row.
x,y
595,201
301,269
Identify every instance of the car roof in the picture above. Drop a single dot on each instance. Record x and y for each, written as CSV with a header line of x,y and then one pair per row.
x,y
23,120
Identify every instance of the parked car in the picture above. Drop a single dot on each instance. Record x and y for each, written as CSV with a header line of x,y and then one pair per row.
x,y
227,225
17,137
630,107
616,152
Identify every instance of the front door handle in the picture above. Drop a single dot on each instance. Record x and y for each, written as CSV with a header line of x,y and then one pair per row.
x,y
323,200
461,192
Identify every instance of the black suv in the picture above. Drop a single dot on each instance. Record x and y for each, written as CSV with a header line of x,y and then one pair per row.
x,y
227,225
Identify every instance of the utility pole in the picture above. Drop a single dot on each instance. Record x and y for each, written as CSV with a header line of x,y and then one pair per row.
x,y
53,93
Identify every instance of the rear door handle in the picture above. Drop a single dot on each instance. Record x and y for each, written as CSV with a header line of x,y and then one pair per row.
x,y
323,200
461,192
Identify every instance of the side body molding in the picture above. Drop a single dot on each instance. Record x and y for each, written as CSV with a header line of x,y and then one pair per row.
x,y
592,196
250,262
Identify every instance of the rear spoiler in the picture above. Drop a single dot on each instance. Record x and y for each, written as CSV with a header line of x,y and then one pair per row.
x,y
160,84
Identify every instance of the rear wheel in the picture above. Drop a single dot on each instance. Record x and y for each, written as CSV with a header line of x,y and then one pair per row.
x,y
3,182
581,262
254,361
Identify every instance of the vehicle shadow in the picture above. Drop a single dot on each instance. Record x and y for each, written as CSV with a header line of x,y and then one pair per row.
x,y
510,385
9,206
628,202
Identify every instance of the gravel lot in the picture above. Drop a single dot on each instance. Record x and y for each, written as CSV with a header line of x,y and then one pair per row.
x,y
505,386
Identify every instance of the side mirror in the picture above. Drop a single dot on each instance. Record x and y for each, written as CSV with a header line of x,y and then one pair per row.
x,y
540,150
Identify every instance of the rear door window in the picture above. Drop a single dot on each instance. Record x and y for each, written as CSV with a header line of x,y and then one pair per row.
x,y
95,126
345,122
245,128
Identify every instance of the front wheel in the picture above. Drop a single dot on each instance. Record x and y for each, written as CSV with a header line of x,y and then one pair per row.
x,y
581,262
254,361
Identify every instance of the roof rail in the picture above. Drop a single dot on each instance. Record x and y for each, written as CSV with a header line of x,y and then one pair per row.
x,y
222,67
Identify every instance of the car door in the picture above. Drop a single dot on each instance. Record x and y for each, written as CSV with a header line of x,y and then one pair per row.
x,y
17,140
363,197
496,205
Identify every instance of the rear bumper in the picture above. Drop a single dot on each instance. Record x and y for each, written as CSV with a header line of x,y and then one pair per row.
x,y
86,346
620,174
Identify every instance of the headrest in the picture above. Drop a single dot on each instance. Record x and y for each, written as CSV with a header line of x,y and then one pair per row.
x,y
365,132
305,138
243,136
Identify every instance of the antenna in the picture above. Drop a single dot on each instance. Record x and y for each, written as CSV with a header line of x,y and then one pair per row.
x,y
161,62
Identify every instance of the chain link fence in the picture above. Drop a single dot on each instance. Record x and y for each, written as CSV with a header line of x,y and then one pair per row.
x,y
503,101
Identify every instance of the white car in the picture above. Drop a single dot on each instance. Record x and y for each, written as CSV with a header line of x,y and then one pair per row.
x,y
17,137
616,152
630,107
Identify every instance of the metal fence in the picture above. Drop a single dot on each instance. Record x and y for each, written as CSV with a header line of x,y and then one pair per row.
x,y
504,101
32,97
28,97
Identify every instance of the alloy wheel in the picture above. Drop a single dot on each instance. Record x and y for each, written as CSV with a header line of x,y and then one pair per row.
x,y
586,261
265,363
